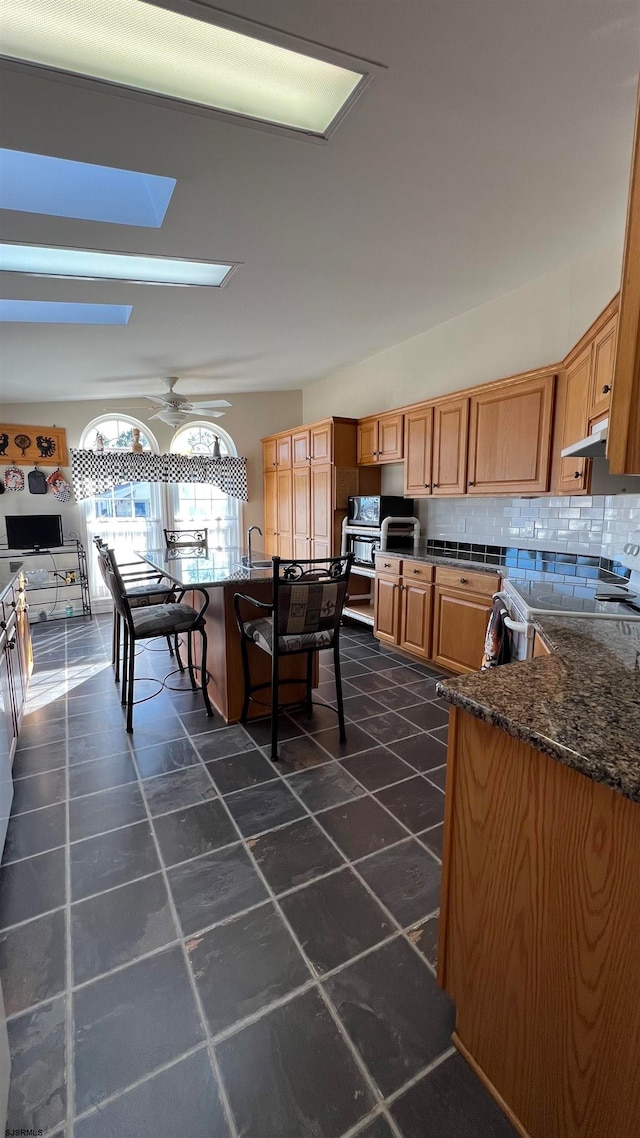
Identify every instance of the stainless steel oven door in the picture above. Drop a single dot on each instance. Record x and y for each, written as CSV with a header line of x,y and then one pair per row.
x,y
364,549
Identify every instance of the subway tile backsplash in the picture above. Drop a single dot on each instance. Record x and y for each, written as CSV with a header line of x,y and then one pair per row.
x,y
594,526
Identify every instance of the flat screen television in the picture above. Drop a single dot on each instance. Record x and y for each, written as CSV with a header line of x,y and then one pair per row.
x,y
34,531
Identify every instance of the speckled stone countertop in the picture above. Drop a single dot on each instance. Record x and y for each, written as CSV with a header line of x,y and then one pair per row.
x,y
8,572
580,705
452,562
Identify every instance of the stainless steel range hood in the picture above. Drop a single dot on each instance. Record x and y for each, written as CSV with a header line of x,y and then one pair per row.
x,y
594,446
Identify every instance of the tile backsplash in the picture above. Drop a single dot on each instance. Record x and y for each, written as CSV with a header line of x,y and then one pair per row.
x,y
596,525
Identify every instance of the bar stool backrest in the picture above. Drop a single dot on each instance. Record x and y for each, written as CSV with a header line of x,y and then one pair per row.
x,y
113,580
175,538
309,596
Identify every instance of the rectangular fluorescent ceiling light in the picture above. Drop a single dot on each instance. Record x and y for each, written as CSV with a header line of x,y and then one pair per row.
x,y
87,264
60,312
145,47
37,183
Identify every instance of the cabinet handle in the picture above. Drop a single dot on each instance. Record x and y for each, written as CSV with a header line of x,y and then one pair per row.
x,y
464,581
434,485
606,389
427,485
387,565
470,483
402,588
14,605
415,570
576,474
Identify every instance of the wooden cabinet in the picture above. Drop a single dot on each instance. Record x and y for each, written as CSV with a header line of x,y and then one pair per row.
x,y
387,608
321,449
321,511
285,512
380,439
269,454
283,452
449,450
403,600
539,934
540,647
459,626
510,437
416,600
576,381
270,513
301,447
301,511
418,438
604,351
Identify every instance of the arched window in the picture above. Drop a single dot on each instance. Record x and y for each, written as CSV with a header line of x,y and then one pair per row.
x,y
201,504
130,516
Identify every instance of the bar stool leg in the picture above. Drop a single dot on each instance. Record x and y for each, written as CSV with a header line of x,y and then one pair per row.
x,y
117,628
203,674
192,675
274,707
125,665
309,701
336,667
247,686
130,678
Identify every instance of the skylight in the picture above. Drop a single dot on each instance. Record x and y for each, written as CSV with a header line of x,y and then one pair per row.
x,y
148,48
62,312
37,183
87,264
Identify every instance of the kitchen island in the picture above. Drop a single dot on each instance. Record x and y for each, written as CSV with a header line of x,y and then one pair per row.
x,y
220,574
540,906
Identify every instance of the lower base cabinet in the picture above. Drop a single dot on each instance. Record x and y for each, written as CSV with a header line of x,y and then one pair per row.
x,y
459,627
402,614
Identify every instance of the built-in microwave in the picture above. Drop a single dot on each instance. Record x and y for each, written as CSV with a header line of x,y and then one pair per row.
x,y
372,509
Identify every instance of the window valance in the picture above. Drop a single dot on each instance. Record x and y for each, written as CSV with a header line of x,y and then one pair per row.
x,y
94,473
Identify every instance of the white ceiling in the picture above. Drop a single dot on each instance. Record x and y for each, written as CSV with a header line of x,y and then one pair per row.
x,y
493,149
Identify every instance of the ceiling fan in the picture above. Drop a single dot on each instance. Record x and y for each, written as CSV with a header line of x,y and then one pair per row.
x,y
174,408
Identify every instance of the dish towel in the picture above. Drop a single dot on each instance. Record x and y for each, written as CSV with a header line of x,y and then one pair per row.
x,y
497,641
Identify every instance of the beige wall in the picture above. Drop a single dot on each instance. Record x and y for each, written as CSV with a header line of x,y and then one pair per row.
x,y
527,328
248,419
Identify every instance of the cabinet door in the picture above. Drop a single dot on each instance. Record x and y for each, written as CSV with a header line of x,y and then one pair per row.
x,y
321,439
459,627
415,620
387,609
574,472
283,452
285,520
321,510
450,439
301,448
390,438
270,513
302,511
604,357
418,430
269,454
367,442
510,437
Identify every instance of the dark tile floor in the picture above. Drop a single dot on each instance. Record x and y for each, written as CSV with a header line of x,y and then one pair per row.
x,y
194,941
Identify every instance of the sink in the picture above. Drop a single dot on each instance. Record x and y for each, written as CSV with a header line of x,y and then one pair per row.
x,y
255,564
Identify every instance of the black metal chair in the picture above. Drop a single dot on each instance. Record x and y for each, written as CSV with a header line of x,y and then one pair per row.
x,y
176,538
148,621
144,586
308,599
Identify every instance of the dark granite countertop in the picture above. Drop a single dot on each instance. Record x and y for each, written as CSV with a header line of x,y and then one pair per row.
x,y
207,568
580,705
452,562
9,570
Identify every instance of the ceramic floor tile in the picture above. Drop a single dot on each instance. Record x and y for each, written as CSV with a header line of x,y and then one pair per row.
x,y
406,879
165,757
225,741
33,962
422,751
36,734
31,887
425,937
35,833
87,778
186,787
378,1129
389,727
237,772
38,790
36,760
98,745
450,1102
427,716
438,777
328,785
105,810
116,927
294,854
373,682
377,768
432,839
112,859
263,807
137,1018
415,803
256,1063
335,919
260,730
362,706
394,1011
397,698
360,827
245,964
37,1090
184,834
322,716
299,754
214,887
357,740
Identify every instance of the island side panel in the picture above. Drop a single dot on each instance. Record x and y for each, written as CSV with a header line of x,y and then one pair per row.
x,y
541,908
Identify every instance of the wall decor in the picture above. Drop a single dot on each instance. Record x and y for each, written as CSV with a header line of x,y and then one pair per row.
x,y
37,482
14,478
24,444
59,485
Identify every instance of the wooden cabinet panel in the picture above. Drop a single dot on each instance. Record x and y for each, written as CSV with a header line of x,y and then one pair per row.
x,y
301,447
418,428
415,619
302,511
321,510
450,441
270,513
387,609
574,472
467,580
321,440
367,446
269,454
390,438
604,354
459,627
540,926
390,566
540,647
285,522
510,437
418,571
283,452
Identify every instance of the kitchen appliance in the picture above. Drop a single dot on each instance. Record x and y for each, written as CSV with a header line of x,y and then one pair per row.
x,y
593,446
364,541
34,531
372,509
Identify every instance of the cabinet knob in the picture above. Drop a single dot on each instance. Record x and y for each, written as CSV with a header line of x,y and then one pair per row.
x,y
606,389
434,485
576,474
470,483
415,570
464,581
427,485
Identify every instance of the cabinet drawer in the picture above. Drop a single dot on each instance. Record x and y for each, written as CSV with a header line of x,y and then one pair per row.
x,y
485,583
388,565
417,571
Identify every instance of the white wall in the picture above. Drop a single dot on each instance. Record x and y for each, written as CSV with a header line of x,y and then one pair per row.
x,y
248,419
527,328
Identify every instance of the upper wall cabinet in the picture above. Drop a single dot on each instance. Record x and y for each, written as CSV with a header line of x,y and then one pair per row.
x,y
301,447
269,454
510,437
435,443
380,439
418,441
604,353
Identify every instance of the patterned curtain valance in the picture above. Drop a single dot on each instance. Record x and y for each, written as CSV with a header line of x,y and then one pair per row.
x,y
94,473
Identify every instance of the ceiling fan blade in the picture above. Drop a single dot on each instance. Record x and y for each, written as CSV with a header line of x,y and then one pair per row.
x,y
156,398
201,404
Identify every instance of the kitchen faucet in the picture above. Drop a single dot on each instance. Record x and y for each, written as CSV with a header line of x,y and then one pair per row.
x,y
249,532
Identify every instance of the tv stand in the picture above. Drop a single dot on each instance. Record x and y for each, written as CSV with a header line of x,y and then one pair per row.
x,y
59,580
